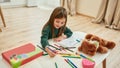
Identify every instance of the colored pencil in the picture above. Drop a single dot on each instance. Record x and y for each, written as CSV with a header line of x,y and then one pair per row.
x,y
41,48
56,65
71,57
72,63
69,47
64,48
69,63
87,58
55,47
77,40
51,50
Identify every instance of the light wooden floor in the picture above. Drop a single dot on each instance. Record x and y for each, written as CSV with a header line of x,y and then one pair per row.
x,y
24,25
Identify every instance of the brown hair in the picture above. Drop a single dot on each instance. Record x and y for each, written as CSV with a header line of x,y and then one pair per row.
x,y
58,12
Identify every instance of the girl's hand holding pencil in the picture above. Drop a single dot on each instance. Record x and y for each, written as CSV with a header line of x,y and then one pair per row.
x,y
58,39
51,52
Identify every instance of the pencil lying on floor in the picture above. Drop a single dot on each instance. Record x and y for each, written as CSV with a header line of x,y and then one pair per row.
x,y
56,65
71,63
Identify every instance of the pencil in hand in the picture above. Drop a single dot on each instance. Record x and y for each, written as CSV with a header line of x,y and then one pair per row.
x,y
50,52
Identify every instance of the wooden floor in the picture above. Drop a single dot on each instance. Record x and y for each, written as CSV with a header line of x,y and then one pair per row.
x,y
24,25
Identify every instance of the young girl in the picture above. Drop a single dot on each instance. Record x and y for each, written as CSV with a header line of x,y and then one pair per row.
x,y
55,28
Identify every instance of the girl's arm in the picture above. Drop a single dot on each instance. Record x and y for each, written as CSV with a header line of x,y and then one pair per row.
x,y
68,32
44,41
44,37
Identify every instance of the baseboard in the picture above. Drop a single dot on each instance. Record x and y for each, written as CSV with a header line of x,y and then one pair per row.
x,y
85,15
12,6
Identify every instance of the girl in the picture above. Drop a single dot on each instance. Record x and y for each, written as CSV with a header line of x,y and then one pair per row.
x,y
55,28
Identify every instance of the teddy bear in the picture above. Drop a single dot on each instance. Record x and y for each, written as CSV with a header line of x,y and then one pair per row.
x,y
92,44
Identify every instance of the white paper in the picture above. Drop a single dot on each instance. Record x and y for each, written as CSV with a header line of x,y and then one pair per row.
x,y
73,40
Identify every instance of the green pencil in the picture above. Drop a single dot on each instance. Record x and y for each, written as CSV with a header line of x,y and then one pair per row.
x,y
45,54
72,56
56,65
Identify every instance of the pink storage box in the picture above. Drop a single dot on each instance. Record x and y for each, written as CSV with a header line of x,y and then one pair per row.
x,y
87,63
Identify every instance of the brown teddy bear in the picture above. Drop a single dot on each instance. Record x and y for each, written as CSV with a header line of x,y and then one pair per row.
x,y
92,44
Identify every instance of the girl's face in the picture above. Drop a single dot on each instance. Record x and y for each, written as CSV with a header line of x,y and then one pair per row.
x,y
59,22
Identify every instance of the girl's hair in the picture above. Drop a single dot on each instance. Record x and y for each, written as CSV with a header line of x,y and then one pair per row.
x,y
58,12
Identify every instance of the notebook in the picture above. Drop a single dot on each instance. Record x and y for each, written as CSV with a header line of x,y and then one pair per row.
x,y
22,55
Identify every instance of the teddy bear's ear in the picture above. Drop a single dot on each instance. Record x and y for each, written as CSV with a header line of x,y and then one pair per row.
x,y
88,36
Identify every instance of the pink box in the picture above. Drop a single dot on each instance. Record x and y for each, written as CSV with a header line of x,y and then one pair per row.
x,y
87,63
22,55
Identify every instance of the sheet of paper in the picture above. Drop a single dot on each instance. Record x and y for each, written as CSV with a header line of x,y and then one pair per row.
x,y
73,40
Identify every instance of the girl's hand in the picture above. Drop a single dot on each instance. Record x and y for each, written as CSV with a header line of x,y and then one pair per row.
x,y
50,53
62,37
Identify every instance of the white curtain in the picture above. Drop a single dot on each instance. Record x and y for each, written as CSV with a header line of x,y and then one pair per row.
x,y
70,6
0,30
109,13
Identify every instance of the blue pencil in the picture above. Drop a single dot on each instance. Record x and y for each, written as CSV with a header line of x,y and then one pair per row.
x,y
72,63
77,40
83,56
69,63
87,58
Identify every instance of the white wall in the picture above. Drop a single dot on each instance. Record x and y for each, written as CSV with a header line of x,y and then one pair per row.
x,y
39,3
18,2
14,3
88,7
48,3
